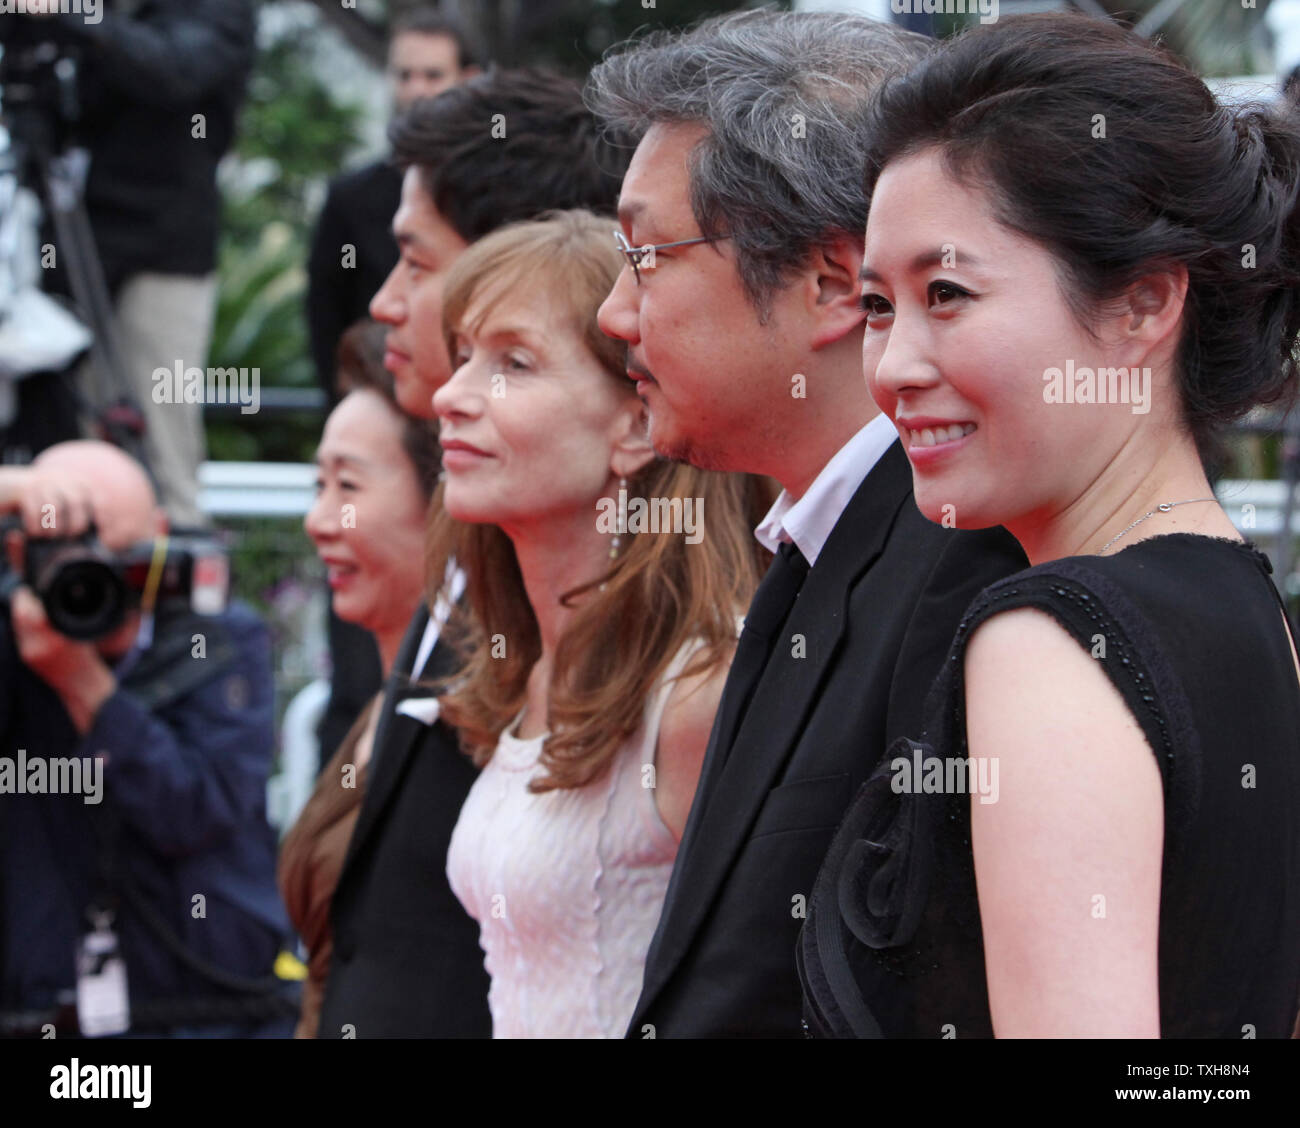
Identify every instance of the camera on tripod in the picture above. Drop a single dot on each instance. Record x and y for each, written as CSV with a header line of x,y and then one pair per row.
x,y
47,159
88,591
40,95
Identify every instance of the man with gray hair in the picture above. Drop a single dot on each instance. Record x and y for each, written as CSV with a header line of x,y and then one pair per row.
x,y
742,218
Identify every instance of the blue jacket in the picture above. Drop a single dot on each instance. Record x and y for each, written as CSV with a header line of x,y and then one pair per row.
x,y
187,745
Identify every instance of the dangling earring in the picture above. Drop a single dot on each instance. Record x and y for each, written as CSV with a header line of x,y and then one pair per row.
x,y
621,527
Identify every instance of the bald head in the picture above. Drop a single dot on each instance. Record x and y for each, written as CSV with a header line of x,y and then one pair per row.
x,y
126,508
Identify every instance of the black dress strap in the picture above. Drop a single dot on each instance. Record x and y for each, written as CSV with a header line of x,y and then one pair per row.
x,y
1102,618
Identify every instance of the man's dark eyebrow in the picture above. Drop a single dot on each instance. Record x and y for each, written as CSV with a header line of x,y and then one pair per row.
x,y
923,261
412,241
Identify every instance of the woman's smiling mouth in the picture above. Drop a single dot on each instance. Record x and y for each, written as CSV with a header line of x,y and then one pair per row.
x,y
928,440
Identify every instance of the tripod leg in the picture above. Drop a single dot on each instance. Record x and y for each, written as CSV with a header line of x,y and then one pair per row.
x,y
122,420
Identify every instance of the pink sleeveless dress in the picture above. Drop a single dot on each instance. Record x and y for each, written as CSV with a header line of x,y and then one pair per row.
x,y
567,886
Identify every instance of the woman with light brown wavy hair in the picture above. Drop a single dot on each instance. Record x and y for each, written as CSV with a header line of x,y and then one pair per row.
x,y
603,589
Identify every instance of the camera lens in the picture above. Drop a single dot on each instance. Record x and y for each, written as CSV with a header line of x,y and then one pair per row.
x,y
85,600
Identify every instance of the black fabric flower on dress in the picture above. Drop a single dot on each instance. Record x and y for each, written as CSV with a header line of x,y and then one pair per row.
x,y
885,879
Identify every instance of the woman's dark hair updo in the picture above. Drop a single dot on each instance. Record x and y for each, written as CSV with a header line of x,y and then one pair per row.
x,y
1116,158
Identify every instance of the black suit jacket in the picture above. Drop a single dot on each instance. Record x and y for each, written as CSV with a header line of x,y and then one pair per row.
x,y
358,212
849,673
407,961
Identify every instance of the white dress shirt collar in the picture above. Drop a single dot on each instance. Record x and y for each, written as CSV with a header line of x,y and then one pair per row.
x,y
808,522
453,588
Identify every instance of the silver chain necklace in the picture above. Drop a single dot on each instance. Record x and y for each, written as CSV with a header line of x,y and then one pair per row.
x,y
1163,507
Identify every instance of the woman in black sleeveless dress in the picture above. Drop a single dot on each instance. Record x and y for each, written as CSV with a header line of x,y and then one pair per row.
x,y
1078,268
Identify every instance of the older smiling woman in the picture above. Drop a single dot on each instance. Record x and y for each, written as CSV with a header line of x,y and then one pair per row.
x,y
376,474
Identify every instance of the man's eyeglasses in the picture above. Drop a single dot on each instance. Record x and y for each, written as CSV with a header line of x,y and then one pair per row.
x,y
643,258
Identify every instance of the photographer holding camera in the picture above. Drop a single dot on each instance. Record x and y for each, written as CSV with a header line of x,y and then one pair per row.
x,y
137,868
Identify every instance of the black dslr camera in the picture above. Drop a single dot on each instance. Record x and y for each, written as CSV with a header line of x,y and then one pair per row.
x,y
88,591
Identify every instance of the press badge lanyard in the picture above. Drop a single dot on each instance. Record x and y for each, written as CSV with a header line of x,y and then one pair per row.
x,y
103,1001
103,998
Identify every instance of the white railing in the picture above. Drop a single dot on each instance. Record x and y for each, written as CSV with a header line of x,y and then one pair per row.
x,y
256,489
289,789
1255,506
